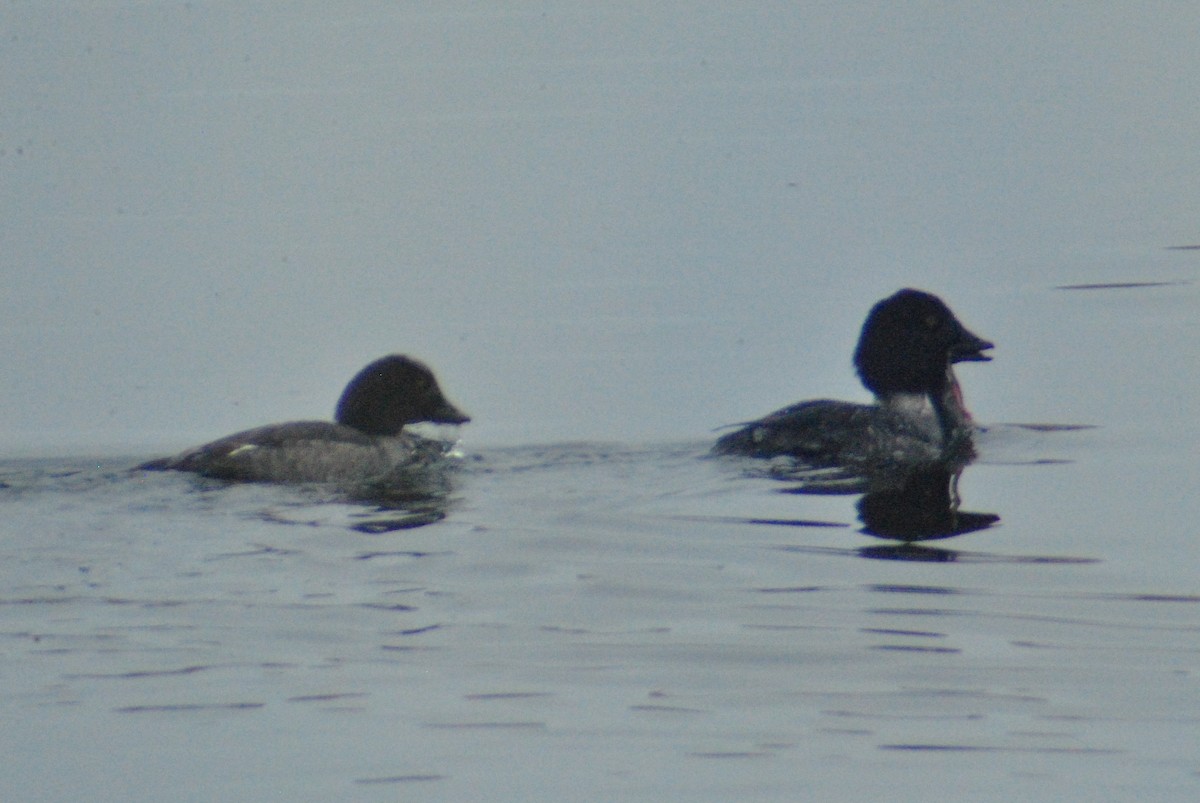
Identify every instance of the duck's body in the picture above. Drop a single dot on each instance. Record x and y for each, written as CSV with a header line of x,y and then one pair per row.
x,y
905,355
304,451
826,432
366,443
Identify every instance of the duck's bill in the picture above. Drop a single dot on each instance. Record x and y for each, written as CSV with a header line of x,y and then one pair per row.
x,y
449,414
971,349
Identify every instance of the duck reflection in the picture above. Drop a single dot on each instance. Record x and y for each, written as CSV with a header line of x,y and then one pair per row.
x,y
912,505
918,505
408,497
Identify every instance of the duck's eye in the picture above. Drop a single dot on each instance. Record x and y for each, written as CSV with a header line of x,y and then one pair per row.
x,y
931,322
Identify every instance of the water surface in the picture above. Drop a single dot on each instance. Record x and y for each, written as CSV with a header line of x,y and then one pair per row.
x,y
589,621
609,228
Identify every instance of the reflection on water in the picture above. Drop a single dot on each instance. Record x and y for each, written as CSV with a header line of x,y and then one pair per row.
x,y
409,497
908,503
574,602
912,504
909,552
921,504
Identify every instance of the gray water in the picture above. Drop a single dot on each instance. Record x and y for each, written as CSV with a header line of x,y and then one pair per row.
x,y
610,228
586,621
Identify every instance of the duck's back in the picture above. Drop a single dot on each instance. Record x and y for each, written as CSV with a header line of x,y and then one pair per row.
x,y
824,432
299,451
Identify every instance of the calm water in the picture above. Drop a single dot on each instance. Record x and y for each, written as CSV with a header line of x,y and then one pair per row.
x,y
626,222
588,622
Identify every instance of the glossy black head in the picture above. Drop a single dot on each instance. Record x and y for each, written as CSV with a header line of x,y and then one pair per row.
x,y
391,392
907,343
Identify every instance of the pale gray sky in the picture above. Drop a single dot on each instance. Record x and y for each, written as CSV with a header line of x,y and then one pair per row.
x,y
595,221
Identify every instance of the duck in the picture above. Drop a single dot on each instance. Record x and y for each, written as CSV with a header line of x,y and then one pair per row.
x,y
366,442
906,353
